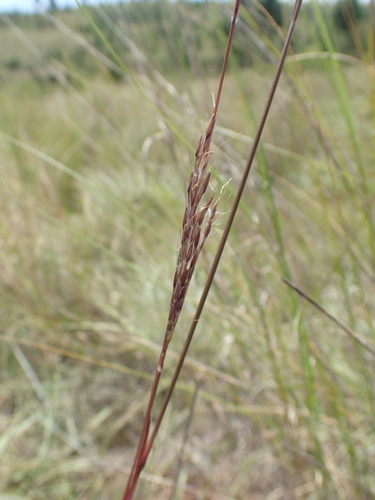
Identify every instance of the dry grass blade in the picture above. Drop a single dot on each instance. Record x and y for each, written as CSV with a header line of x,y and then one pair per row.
x,y
358,338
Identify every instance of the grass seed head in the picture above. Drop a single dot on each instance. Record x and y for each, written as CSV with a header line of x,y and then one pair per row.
x,y
195,230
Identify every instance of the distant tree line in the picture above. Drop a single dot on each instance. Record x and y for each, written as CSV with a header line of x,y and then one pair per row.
x,y
190,35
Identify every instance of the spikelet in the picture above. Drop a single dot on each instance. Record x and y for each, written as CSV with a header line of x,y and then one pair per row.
x,y
197,222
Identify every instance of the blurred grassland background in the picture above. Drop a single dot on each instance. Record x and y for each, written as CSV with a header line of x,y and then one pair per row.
x,y
100,115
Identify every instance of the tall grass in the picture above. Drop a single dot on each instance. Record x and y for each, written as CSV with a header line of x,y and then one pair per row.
x,y
93,169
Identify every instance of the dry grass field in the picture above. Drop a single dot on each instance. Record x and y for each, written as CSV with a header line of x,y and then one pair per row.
x,y
276,399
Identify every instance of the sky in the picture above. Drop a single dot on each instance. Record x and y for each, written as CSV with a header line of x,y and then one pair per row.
x,y
29,5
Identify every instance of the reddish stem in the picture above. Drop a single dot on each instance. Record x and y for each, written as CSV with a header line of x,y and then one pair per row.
x,y
233,211
144,446
142,453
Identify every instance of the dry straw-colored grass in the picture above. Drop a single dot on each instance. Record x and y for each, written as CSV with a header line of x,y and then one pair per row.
x,y
88,235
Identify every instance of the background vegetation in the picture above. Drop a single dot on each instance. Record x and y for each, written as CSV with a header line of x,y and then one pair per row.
x,y
101,112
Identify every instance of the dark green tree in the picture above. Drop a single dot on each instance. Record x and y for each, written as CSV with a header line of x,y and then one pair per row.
x,y
273,7
346,12
52,6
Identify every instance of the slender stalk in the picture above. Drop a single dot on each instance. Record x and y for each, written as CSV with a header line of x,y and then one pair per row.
x,y
220,249
358,338
193,239
146,445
